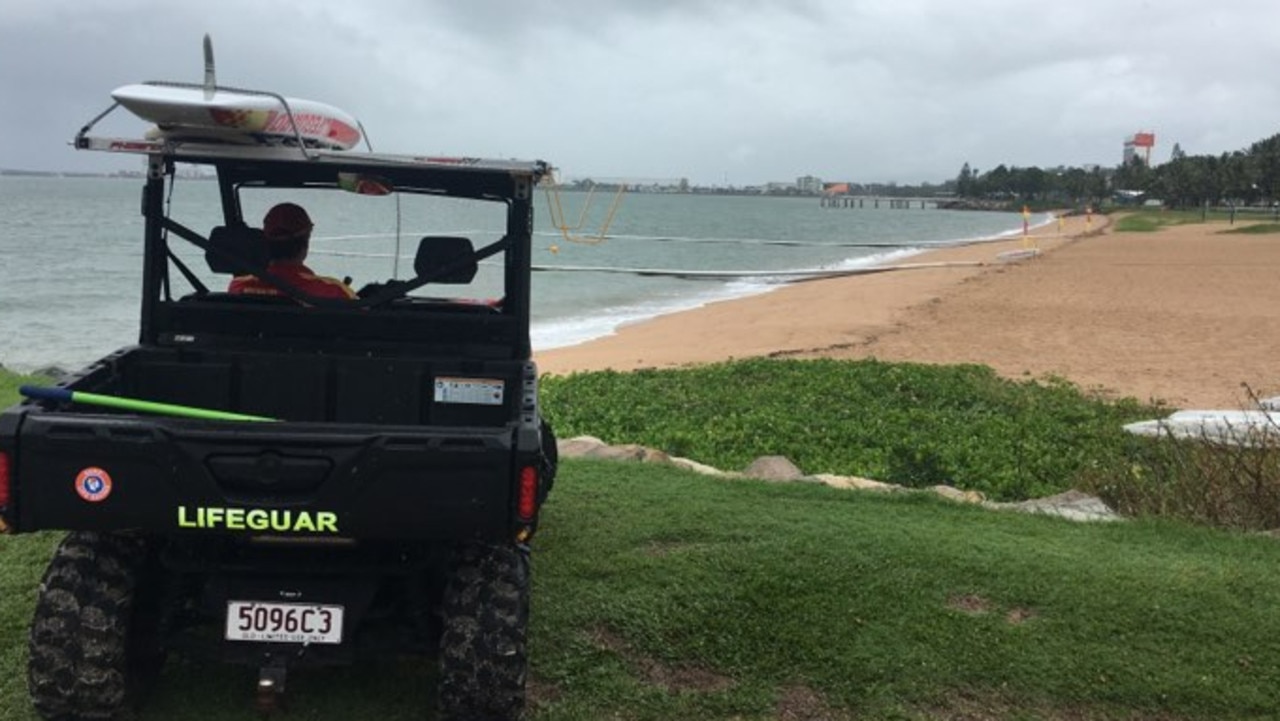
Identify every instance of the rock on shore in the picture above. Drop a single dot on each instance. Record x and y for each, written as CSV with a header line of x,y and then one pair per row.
x,y
1072,505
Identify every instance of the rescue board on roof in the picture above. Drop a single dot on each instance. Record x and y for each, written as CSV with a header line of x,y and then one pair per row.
x,y
192,112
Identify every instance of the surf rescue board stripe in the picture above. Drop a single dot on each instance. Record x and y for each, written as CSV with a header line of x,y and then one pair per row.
x,y
225,113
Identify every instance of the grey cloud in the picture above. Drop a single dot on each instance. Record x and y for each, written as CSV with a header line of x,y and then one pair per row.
x,y
755,91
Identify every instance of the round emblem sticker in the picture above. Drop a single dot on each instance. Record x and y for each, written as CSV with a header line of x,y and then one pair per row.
x,y
93,484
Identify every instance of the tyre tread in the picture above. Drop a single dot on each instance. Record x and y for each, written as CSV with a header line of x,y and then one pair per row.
x,y
78,665
483,654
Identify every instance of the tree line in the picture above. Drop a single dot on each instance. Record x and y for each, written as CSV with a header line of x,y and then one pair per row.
x,y
1243,177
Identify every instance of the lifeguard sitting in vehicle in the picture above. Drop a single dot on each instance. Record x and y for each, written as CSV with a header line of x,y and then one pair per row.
x,y
287,229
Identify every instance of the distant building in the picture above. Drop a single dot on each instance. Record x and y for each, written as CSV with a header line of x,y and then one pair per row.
x,y
1139,146
809,184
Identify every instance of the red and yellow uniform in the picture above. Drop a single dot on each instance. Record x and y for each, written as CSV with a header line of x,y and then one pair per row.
x,y
296,274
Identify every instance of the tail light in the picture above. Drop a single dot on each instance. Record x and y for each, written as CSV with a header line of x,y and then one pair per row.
x,y
6,477
527,502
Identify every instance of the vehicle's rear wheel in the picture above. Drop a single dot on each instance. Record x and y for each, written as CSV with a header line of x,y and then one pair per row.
x,y
485,610
86,656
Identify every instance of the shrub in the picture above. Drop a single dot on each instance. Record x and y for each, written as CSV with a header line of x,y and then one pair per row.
x,y
1202,480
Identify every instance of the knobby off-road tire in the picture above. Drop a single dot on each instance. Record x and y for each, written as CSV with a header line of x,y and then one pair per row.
x,y
485,611
85,660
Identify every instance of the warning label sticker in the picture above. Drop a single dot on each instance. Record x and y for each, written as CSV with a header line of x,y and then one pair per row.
x,y
469,391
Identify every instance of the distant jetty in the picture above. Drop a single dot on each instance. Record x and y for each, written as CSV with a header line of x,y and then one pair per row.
x,y
903,203
976,204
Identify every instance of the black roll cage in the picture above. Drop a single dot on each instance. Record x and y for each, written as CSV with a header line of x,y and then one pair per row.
x,y
414,176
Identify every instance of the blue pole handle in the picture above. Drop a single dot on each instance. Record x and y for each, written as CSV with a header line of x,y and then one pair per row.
x,y
59,395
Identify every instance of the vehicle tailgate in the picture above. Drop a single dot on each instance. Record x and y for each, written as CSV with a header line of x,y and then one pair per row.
x,y
104,472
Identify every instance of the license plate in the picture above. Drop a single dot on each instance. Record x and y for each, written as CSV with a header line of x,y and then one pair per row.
x,y
283,622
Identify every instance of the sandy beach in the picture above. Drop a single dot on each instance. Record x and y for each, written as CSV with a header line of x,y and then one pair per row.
x,y
1187,315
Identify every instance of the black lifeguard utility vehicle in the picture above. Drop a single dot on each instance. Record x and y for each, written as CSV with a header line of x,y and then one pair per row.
x,y
387,502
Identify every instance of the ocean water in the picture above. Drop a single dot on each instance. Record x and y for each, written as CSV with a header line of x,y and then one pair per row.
x,y
70,253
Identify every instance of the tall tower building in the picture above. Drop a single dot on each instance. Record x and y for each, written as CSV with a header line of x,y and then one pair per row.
x,y
1139,144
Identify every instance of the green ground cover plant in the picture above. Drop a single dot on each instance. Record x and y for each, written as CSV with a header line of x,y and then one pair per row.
x,y
911,424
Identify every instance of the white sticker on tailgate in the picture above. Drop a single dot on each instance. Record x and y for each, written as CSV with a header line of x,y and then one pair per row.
x,y
283,622
470,391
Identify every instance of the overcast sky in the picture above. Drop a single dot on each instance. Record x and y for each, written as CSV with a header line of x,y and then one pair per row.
x,y
718,91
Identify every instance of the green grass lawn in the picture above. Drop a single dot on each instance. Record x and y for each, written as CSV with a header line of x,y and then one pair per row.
x,y
888,607
1257,229
661,594
1150,220
10,382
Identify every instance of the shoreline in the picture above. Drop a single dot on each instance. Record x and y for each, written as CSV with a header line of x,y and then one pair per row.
x,y
880,292
581,326
1183,315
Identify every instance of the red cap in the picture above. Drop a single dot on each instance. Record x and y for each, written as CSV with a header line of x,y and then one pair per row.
x,y
286,221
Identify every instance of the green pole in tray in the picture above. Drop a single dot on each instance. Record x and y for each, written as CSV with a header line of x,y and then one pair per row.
x,y
63,395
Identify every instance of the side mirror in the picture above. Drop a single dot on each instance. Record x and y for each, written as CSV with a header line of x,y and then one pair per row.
x,y
438,251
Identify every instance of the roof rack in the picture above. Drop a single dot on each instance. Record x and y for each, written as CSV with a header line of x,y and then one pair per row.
x,y
207,152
